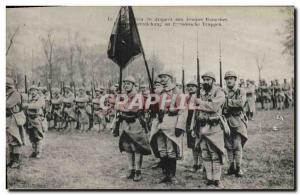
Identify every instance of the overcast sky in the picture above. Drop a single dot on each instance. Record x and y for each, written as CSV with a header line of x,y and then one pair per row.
x,y
246,33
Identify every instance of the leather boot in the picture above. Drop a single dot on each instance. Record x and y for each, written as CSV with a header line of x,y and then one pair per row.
x,y
173,178
130,174
238,172
231,169
165,170
137,176
11,159
16,161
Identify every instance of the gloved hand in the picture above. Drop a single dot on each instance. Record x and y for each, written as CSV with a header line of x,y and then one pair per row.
x,y
178,132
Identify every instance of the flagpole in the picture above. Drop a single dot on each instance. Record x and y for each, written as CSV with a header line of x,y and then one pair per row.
x,y
142,50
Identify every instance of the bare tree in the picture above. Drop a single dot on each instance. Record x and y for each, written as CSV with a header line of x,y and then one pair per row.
x,y
260,63
11,39
48,47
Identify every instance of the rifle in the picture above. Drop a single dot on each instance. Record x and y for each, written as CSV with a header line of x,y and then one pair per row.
x,y
92,106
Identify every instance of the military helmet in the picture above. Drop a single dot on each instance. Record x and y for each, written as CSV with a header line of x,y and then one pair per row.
x,y
210,75
129,79
34,87
192,82
9,82
230,74
157,80
165,73
67,87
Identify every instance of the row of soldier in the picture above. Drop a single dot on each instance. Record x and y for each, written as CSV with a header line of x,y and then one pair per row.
x,y
221,116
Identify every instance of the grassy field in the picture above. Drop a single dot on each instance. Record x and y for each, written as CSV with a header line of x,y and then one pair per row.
x,y
93,161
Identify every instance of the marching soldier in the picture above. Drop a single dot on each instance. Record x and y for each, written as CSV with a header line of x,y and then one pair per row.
x,y
133,139
69,115
56,109
166,137
250,103
233,111
197,160
15,119
210,135
82,109
36,123
279,95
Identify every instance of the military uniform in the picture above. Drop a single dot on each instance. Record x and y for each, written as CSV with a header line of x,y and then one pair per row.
x,y
56,109
133,139
251,98
266,97
166,134
69,115
286,88
190,131
237,121
210,136
15,119
99,113
279,96
82,110
36,123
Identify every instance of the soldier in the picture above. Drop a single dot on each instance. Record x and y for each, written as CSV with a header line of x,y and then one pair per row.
x,y
69,115
286,88
82,109
209,135
233,111
36,123
15,119
56,109
266,98
166,137
197,160
272,93
250,103
133,139
99,114
158,88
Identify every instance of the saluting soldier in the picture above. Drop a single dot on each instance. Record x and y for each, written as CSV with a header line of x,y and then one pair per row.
x,y
69,114
82,109
56,109
133,139
36,123
15,119
210,135
190,135
166,138
237,121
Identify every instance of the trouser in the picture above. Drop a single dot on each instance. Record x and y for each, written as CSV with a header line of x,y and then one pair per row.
x,y
14,148
197,158
166,147
234,148
211,160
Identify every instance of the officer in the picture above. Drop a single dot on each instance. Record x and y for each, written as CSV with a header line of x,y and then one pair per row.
x,y
82,109
166,138
36,123
210,135
133,139
197,160
15,119
237,121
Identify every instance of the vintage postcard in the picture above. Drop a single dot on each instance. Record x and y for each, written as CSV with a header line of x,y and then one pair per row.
x,y
150,98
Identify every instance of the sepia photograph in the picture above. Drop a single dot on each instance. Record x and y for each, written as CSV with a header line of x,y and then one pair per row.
x,y
193,98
